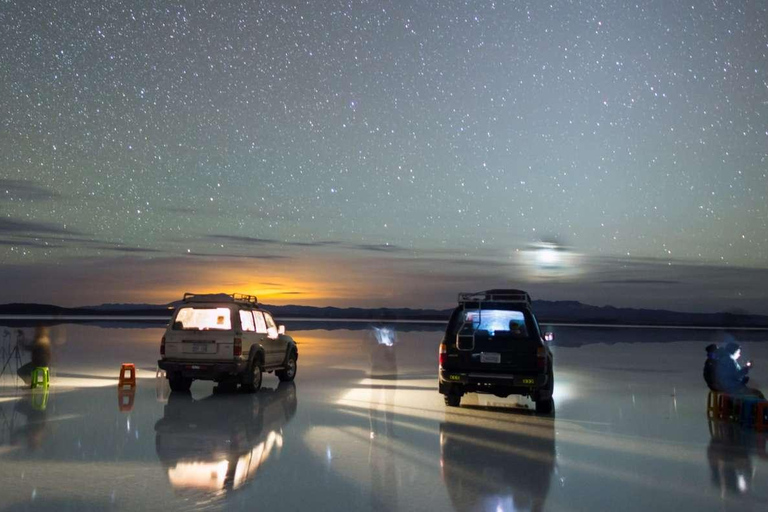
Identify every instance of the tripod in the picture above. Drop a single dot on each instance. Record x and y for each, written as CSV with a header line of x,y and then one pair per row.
x,y
14,351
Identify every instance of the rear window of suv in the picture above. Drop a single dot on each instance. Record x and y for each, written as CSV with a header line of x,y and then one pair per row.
x,y
203,319
494,322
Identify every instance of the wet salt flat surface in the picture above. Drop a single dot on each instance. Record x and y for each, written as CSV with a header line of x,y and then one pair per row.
x,y
363,428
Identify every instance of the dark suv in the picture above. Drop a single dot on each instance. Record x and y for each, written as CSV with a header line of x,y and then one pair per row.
x,y
493,345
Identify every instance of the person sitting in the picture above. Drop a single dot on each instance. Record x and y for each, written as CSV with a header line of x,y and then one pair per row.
x,y
517,329
730,376
710,366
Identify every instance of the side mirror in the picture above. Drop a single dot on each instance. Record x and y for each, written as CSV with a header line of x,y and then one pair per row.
x,y
281,329
549,336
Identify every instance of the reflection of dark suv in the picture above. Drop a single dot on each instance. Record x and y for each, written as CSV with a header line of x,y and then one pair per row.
x,y
212,446
493,345
488,469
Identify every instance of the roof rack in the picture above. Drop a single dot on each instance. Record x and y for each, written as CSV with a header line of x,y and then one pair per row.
x,y
240,298
514,296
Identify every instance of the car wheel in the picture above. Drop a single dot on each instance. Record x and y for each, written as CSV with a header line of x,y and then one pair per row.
x,y
288,373
545,406
453,400
178,383
252,378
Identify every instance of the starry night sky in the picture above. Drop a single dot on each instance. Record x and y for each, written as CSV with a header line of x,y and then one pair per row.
x,y
385,153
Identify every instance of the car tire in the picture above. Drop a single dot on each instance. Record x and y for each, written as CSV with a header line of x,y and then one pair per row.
x,y
288,373
452,400
178,383
252,378
545,406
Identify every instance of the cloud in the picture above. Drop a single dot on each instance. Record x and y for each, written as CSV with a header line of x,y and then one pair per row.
x,y
249,240
24,190
378,248
233,255
29,243
127,250
28,228
639,281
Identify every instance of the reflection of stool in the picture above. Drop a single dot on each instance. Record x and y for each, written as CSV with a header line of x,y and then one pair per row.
x,y
726,406
738,402
713,404
162,389
748,408
125,399
40,377
126,380
40,398
761,413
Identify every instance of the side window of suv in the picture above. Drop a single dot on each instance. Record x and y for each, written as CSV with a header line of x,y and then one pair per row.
x,y
261,325
271,326
246,321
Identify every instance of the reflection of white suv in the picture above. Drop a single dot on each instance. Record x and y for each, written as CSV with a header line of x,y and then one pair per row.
x,y
227,339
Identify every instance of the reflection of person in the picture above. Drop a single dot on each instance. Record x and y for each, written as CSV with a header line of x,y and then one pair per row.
x,y
730,376
41,353
729,455
33,432
383,389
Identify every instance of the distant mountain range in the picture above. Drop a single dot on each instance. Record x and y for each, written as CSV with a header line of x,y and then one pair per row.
x,y
546,311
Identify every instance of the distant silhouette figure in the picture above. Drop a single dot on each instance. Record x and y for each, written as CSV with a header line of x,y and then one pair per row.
x,y
41,353
710,366
729,375
517,329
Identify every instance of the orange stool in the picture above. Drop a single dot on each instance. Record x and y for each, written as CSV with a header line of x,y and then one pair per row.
x,y
713,404
125,398
761,421
127,380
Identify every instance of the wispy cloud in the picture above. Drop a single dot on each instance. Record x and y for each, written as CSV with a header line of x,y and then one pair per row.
x,y
25,190
248,240
28,228
235,255
640,281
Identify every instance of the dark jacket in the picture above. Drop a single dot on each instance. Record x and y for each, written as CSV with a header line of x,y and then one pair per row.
x,y
729,375
710,366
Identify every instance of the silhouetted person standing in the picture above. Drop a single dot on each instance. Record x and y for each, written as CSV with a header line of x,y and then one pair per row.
x,y
710,366
41,353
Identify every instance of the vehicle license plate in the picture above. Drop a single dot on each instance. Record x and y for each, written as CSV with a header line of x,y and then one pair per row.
x,y
199,348
490,357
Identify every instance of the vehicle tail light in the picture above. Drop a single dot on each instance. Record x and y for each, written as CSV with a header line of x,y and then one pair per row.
x,y
442,355
541,358
237,350
162,346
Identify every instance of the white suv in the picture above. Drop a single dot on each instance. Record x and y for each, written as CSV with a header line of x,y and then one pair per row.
x,y
226,338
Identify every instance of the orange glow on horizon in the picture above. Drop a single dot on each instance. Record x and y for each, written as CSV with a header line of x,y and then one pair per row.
x,y
300,283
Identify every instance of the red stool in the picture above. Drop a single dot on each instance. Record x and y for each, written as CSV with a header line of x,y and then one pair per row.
x,y
127,380
761,422
125,398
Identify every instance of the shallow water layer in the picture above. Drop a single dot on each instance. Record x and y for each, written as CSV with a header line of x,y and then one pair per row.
x,y
363,428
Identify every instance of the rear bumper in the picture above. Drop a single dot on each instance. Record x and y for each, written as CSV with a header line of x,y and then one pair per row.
x,y
204,370
535,385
